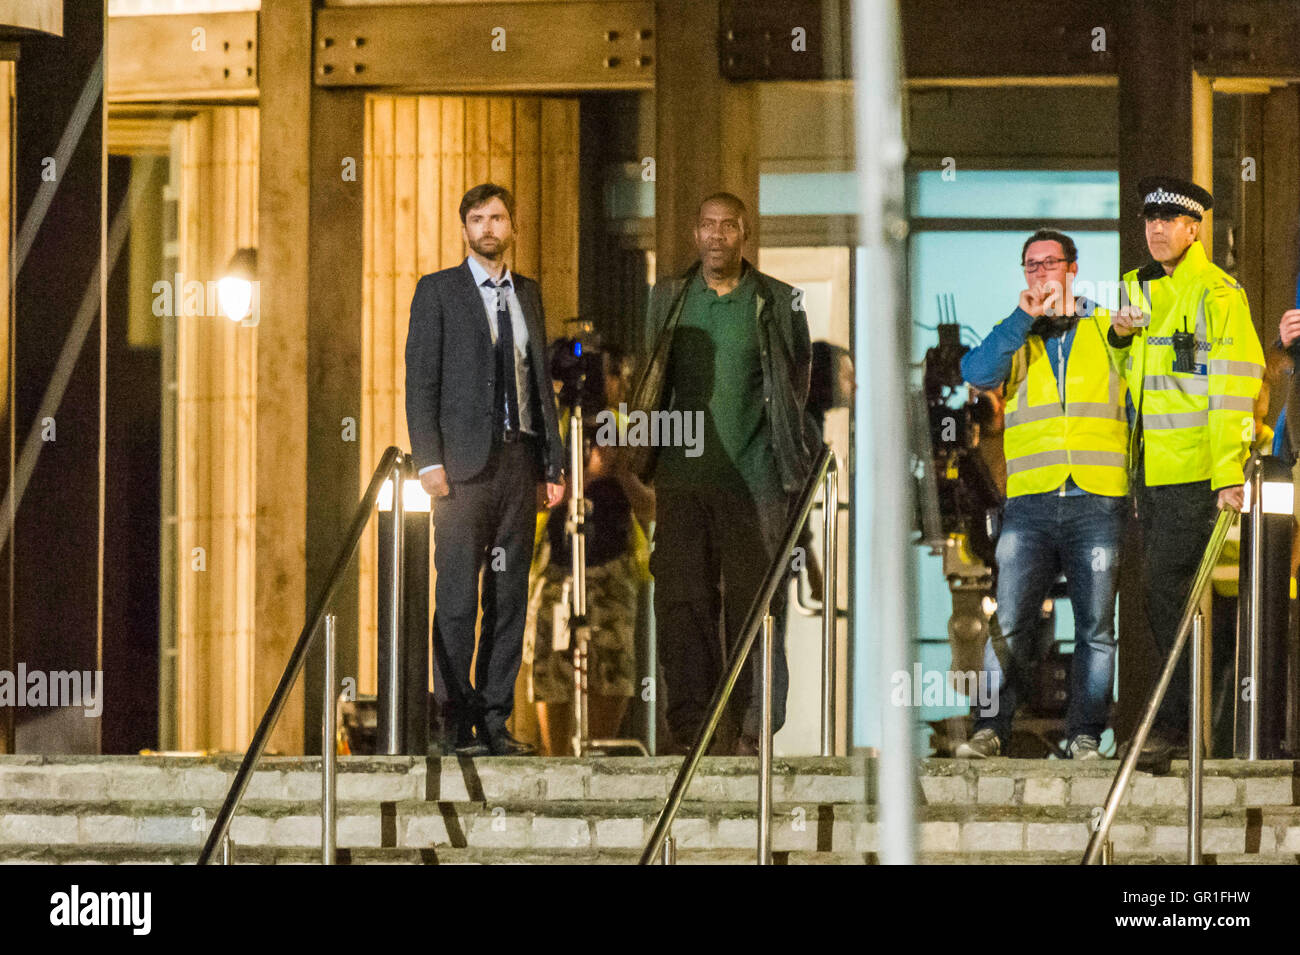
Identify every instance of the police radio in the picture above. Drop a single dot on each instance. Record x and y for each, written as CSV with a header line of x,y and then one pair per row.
x,y
1184,350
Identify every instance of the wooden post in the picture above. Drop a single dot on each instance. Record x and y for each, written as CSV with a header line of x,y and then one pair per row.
x,y
1155,138
706,131
56,451
1155,108
334,363
284,238
1279,174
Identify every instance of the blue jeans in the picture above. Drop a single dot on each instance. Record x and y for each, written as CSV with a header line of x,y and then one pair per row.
x,y
1042,536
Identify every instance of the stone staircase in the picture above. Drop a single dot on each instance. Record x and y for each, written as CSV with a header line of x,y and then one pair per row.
x,y
599,811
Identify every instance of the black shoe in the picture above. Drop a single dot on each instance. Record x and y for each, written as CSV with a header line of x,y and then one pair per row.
x,y
1158,752
465,743
501,743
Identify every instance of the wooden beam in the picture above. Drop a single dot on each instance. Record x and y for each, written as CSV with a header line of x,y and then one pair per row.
x,y
1246,37
784,40
508,46
29,17
981,39
284,237
1008,38
182,56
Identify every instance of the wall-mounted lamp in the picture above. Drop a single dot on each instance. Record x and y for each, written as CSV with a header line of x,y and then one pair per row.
x,y
238,291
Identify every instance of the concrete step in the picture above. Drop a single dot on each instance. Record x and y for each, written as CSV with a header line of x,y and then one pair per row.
x,y
812,779
272,855
626,824
153,778
447,809
1050,782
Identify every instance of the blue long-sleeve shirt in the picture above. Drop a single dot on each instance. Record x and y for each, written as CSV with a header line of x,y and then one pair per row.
x,y
988,364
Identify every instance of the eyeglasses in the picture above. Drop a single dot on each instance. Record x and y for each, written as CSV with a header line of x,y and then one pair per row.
x,y
1032,267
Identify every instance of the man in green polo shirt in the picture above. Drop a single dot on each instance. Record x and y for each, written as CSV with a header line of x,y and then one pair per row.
x,y
733,351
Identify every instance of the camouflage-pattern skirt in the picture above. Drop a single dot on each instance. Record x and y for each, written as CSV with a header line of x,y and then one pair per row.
x,y
611,612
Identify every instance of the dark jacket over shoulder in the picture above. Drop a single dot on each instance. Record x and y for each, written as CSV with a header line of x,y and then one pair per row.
x,y
786,353
451,375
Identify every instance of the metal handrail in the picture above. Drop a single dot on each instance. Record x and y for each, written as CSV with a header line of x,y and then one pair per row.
x,y
392,458
1190,612
772,578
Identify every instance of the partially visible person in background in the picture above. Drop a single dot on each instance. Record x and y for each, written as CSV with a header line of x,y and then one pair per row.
x,y
620,512
832,385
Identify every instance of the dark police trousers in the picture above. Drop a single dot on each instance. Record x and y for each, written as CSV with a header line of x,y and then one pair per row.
x,y
1177,520
712,547
487,525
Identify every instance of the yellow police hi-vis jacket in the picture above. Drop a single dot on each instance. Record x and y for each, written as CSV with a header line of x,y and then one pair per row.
x,y
1196,425
1085,438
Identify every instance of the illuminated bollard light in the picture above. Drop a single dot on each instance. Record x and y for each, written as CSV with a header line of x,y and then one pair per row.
x,y
403,611
1263,610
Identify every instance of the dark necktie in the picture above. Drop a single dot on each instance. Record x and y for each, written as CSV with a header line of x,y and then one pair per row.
x,y
505,355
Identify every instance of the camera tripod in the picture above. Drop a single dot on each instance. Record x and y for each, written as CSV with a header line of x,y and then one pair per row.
x,y
578,628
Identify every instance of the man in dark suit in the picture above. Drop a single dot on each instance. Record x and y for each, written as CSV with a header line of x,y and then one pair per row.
x,y
481,414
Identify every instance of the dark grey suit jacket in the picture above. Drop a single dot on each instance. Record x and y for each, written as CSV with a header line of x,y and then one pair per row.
x,y
451,371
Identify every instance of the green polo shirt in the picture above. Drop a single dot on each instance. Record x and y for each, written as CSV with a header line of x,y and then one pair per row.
x,y
716,368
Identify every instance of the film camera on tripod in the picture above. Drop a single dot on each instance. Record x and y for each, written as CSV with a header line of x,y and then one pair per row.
x,y
578,366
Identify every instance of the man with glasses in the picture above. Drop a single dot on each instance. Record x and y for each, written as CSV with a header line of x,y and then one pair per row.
x,y
1188,348
1067,483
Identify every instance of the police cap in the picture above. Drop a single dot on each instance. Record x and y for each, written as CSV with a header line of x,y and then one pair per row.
x,y
1167,196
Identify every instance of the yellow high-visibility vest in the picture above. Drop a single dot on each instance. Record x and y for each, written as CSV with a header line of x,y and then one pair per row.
x,y
1196,425
1086,438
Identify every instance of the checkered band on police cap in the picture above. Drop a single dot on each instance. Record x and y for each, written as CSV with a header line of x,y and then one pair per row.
x,y
1165,198
1165,194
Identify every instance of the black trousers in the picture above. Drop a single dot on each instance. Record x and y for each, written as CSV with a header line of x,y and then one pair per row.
x,y
484,526
1177,520
712,546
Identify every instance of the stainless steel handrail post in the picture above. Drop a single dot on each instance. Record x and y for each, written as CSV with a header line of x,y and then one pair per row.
x,y
1118,788
1256,602
397,618
227,850
669,854
578,629
329,768
1194,733
765,749
830,602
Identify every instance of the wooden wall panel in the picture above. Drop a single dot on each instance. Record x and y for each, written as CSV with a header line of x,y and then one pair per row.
x,y
527,187
558,218
216,443
422,153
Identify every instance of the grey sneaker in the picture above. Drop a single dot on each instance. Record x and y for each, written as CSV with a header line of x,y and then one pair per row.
x,y
1084,746
983,744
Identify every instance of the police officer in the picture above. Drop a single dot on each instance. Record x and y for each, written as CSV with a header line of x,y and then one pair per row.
x,y
1188,349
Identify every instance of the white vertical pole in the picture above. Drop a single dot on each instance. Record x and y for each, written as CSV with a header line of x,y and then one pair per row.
x,y
890,593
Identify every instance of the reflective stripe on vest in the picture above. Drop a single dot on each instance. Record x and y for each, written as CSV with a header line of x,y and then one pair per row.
x,y
1179,419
